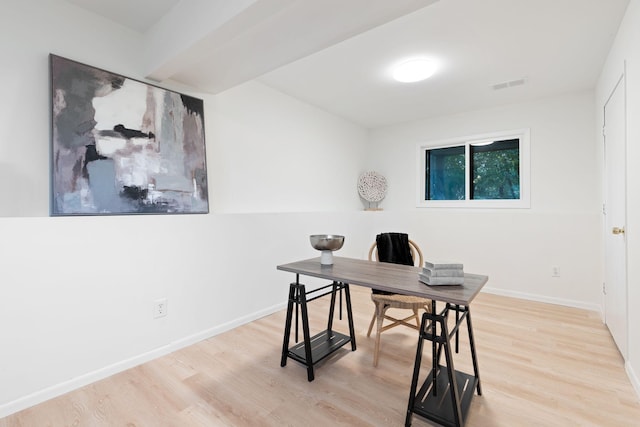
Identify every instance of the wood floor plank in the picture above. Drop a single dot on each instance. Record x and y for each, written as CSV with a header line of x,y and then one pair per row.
x,y
540,365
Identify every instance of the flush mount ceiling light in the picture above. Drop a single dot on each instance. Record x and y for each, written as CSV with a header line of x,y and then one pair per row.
x,y
414,70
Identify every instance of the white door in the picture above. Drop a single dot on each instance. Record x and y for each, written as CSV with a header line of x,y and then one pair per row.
x,y
615,287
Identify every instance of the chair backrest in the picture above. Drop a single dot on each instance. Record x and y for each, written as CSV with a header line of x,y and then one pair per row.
x,y
415,250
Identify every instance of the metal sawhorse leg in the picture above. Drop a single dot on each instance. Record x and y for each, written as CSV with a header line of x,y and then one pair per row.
x,y
445,379
317,347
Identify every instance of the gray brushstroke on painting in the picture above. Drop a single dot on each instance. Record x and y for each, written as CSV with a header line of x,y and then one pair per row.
x,y
171,130
173,183
194,153
102,179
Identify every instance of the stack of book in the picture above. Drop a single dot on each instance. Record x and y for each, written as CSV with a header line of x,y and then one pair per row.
x,y
441,273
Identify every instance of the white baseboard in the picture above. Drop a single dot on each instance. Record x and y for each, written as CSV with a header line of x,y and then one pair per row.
x,y
635,381
541,298
99,374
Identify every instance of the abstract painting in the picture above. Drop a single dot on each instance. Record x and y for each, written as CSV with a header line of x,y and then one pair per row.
x,y
121,146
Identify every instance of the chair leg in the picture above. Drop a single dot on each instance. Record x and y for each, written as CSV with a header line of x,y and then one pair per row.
x,y
373,319
415,313
380,310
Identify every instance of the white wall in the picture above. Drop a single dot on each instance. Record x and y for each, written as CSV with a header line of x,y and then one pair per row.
x,y
267,161
76,298
517,248
625,51
76,292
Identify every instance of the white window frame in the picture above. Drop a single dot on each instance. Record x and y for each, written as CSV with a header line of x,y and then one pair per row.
x,y
524,202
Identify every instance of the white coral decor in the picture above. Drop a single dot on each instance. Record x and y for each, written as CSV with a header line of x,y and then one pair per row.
x,y
372,187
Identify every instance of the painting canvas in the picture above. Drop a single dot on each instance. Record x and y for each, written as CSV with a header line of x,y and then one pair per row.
x,y
121,146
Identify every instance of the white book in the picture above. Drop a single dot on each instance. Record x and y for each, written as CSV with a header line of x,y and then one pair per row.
x,y
437,281
443,265
450,272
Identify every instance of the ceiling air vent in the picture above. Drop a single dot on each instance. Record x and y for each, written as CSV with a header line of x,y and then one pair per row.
x,y
510,83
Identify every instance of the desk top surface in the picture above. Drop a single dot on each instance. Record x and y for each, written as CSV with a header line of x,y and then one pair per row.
x,y
401,279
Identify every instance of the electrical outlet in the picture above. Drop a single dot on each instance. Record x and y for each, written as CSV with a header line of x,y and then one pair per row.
x,y
555,271
159,308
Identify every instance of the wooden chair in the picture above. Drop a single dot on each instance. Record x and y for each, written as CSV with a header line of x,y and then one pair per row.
x,y
384,302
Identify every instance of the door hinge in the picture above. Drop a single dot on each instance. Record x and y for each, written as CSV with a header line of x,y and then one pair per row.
x,y
604,288
604,209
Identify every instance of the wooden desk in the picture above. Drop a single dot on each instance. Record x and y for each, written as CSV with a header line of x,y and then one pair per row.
x,y
399,279
396,278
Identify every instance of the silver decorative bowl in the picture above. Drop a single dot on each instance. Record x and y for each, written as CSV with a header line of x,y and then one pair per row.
x,y
326,243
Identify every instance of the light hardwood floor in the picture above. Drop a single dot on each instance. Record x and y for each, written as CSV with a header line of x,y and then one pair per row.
x,y
540,365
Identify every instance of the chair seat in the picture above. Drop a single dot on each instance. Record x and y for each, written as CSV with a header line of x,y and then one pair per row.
x,y
400,301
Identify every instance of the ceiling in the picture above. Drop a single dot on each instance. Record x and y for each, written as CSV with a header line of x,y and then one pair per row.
x,y
139,15
336,55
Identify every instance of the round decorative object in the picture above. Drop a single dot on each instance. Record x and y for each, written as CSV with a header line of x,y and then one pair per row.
x,y
372,186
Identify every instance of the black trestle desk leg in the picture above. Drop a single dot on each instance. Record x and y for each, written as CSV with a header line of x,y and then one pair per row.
x,y
453,385
457,331
434,354
416,370
297,298
442,342
287,324
352,333
340,302
473,352
332,304
305,333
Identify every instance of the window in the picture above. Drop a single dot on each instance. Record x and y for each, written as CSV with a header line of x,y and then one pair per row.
x,y
495,169
478,171
445,173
